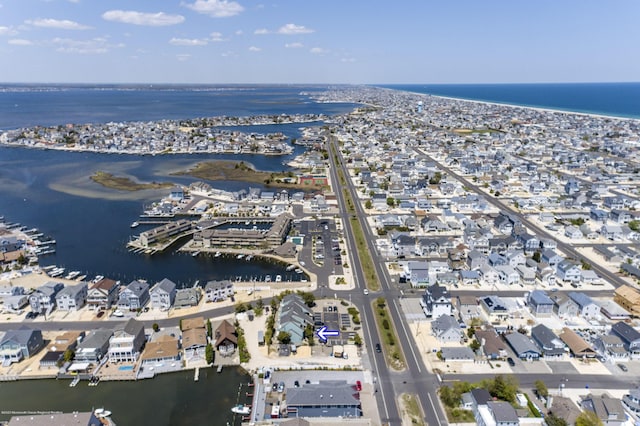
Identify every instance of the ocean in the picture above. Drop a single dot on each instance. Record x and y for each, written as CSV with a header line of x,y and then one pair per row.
x,y
611,99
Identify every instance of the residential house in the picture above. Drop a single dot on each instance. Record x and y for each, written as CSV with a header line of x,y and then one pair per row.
x,y
631,401
492,345
327,398
467,307
293,317
187,297
497,413
529,242
93,347
163,294
578,347
523,346
103,294
573,232
72,298
551,257
43,299
436,301
17,345
630,338
629,298
127,342
476,259
226,339
194,338
551,346
469,278
417,273
216,291
568,272
446,329
540,303
527,274
488,275
587,308
564,306
611,232
611,347
515,258
494,308
608,409
161,352
507,275
134,296
459,354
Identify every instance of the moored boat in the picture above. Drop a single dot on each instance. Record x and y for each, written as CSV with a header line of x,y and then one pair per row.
x,y
241,409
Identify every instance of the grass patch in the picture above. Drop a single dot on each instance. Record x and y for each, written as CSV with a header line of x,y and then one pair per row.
x,y
388,338
458,415
411,408
368,268
124,183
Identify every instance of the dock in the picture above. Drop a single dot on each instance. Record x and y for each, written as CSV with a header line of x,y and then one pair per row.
x,y
220,368
196,375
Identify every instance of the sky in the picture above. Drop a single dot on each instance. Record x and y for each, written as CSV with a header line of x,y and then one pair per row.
x,y
298,41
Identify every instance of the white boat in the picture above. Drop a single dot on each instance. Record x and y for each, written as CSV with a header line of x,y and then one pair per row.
x,y
71,275
195,253
56,272
291,268
278,278
299,271
135,224
240,256
101,413
241,409
218,254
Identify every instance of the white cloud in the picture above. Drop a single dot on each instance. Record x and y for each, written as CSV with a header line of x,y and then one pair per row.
x,y
347,60
20,42
239,32
294,45
91,46
215,36
318,51
294,29
254,49
183,57
188,42
60,24
216,8
139,18
7,31
261,31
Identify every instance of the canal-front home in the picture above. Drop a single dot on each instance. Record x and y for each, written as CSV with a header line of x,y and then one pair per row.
x,y
163,294
134,296
72,298
127,341
43,299
103,294
17,345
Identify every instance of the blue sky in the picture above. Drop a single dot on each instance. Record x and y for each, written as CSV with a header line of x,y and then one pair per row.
x,y
297,41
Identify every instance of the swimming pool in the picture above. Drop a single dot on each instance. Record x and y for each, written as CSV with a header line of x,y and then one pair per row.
x,y
125,368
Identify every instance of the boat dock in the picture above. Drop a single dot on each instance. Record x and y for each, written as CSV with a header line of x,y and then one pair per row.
x,y
196,375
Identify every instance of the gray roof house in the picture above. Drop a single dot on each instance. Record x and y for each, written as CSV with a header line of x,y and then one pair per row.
x,y
163,294
552,346
134,296
43,299
587,307
611,347
540,303
564,306
293,316
608,409
127,342
72,298
446,329
218,290
328,398
436,301
17,345
630,338
463,353
498,413
187,297
523,346
94,347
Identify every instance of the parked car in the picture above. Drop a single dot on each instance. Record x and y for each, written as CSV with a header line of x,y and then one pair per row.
x,y
358,385
623,367
281,387
296,384
511,362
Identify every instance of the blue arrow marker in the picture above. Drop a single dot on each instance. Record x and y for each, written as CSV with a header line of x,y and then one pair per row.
x,y
323,333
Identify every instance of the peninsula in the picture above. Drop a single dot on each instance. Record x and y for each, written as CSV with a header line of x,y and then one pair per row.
x,y
108,180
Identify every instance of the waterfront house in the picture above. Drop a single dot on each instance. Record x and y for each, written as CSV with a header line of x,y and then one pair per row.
x,y
187,297
93,347
218,290
577,345
134,296
551,346
540,303
43,299
491,344
630,338
103,294
523,346
161,352
17,345
226,339
608,409
436,301
72,298
446,329
194,338
163,294
127,342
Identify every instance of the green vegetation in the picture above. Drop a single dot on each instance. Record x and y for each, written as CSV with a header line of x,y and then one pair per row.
x,y
411,409
553,420
209,353
355,315
155,327
634,225
245,356
577,222
394,356
209,329
125,184
541,388
435,179
588,418
284,337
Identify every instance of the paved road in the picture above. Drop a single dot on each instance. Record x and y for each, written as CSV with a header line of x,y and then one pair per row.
x,y
416,379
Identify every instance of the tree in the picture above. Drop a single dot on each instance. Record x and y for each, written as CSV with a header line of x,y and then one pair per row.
x,y
155,327
553,420
391,201
368,204
474,345
536,257
503,387
435,179
68,355
284,337
309,298
208,353
471,331
634,225
541,388
357,340
588,418
209,328
448,397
